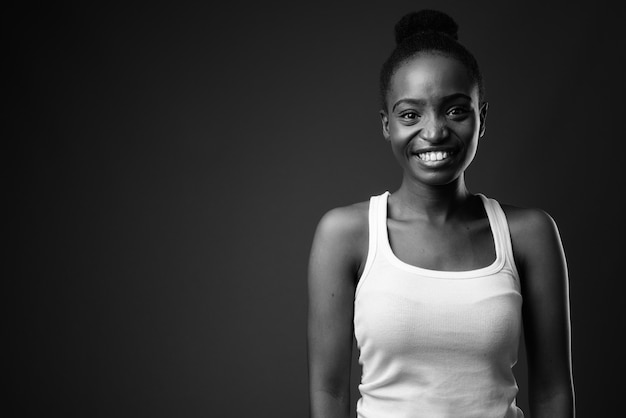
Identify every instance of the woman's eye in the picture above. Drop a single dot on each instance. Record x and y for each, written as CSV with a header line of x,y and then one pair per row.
x,y
457,111
409,116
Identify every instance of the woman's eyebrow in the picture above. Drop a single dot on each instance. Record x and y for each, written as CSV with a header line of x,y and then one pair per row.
x,y
422,102
456,96
416,102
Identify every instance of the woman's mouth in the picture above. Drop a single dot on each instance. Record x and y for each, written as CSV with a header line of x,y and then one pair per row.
x,y
434,155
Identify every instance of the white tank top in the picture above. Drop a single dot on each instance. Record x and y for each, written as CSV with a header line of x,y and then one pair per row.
x,y
433,343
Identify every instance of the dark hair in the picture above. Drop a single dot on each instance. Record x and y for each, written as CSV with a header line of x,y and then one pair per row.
x,y
427,31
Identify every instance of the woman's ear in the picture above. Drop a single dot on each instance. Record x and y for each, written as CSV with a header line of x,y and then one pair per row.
x,y
483,118
385,122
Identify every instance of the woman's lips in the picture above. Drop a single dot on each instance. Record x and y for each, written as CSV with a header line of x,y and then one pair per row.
x,y
434,155
434,158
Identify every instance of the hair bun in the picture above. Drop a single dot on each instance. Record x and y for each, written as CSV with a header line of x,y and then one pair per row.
x,y
425,21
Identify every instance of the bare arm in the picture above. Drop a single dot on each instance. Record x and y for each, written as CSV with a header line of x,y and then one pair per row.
x,y
541,261
331,286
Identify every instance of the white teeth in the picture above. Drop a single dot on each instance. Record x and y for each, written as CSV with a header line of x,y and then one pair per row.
x,y
433,156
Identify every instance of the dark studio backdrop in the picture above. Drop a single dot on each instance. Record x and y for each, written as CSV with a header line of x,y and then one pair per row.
x,y
169,165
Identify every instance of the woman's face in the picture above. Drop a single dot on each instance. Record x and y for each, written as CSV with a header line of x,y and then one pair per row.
x,y
433,119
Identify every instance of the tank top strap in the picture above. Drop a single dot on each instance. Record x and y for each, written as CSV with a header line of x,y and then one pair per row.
x,y
376,220
501,231
381,218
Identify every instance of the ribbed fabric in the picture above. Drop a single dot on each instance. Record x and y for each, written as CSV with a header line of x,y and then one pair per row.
x,y
432,343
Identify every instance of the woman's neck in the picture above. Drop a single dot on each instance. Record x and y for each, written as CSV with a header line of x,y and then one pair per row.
x,y
434,203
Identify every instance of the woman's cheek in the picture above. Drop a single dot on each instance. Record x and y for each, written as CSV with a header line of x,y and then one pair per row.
x,y
406,131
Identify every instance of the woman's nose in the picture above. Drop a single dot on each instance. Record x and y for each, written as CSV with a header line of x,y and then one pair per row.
x,y
434,130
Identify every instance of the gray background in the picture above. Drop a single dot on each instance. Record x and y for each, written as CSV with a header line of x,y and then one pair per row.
x,y
169,165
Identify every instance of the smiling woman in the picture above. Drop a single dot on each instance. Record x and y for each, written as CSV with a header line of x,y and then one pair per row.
x,y
434,97
430,278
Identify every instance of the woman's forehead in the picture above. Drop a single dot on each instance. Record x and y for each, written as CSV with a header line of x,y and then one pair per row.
x,y
429,75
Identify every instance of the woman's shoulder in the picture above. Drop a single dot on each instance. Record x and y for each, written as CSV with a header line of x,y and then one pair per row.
x,y
345,222
522,219
341,238
533,231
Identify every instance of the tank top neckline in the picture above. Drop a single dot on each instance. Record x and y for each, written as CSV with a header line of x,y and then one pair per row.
x,y
492,268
